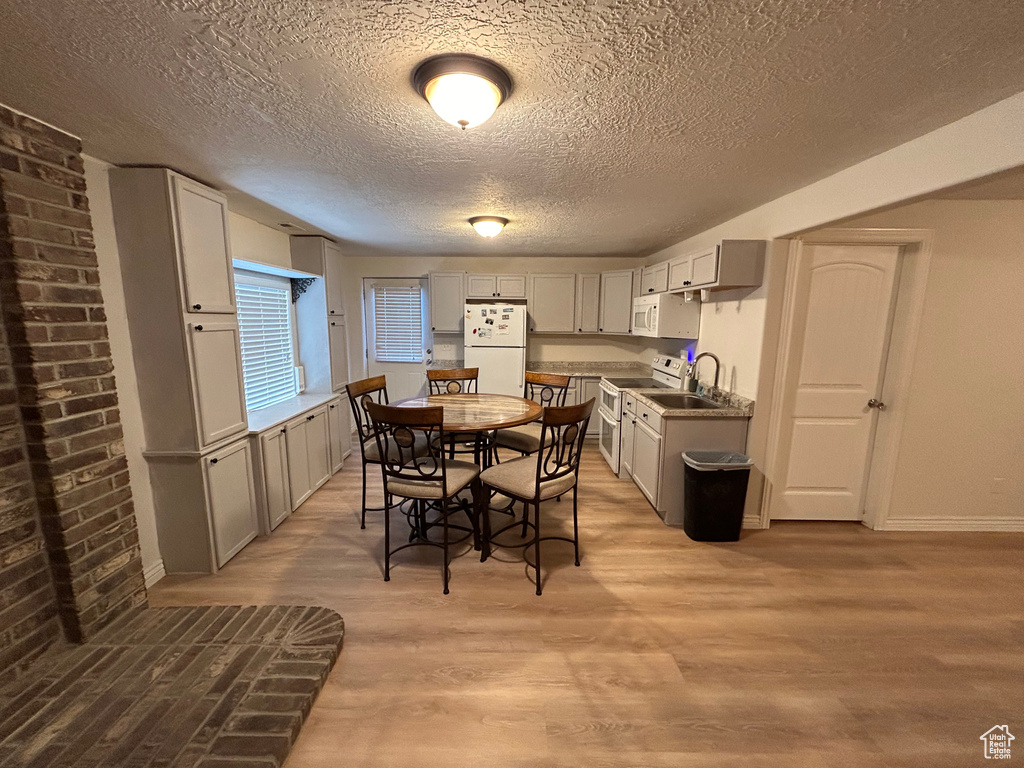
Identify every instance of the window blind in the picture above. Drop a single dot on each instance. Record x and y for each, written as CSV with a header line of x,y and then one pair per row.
x,y
398,323
268,362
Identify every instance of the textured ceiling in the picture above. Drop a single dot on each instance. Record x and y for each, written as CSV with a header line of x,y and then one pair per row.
x,y
633,123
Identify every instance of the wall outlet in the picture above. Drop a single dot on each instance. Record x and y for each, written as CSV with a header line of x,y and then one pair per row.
x,y
998,486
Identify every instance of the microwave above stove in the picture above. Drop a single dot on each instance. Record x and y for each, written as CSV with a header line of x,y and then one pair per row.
x,y
666,316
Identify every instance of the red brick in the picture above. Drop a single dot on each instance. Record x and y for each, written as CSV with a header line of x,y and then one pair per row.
x,y
66,294
72,181
81,257
18,184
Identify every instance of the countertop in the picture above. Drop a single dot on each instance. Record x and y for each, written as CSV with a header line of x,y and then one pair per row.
x,y
279,413
736,407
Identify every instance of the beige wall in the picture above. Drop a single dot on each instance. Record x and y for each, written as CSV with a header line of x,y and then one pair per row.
x,y
252,241
124,363
964,423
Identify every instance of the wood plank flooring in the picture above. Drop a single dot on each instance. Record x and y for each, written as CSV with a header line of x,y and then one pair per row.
x,y
810,644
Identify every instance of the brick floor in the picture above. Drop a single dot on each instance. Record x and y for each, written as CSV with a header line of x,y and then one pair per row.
x,y
196,687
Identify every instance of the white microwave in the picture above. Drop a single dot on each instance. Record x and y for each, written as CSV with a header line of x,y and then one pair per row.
x,y
666,316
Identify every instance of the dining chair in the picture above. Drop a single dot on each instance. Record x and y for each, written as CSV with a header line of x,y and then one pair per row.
x,y
360,395
432,481
547,389
459,381
553,471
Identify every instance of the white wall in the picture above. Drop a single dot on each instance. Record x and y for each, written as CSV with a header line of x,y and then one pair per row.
x,y
98,189
540,346
964,420
988,141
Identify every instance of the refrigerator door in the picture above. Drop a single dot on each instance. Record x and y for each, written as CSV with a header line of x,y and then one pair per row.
x,y
502,369
495,325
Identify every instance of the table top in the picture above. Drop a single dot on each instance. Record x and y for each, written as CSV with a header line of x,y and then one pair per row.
x,y
478,413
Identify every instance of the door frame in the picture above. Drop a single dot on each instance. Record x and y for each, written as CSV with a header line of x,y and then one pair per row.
x,y
915,259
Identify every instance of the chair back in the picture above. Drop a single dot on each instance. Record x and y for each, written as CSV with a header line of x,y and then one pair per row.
x,y
453,381
360,395
397,431
546,388
562,433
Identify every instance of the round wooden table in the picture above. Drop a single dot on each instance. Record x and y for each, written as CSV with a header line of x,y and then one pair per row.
x,y
478,413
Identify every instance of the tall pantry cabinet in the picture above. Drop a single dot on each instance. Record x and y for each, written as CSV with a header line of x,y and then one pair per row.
x,y
173,242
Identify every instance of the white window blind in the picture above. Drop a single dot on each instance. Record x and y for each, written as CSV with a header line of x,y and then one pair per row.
x,y
398,323
268,362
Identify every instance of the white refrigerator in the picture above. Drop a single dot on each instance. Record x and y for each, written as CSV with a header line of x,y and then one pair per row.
x,y
496,344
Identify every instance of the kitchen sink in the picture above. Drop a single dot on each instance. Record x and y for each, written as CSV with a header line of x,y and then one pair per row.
x,y
675,400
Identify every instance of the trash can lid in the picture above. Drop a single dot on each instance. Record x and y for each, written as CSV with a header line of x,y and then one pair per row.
x,y
708,460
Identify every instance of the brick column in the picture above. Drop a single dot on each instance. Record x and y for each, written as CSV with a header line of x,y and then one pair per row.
x,y
56,328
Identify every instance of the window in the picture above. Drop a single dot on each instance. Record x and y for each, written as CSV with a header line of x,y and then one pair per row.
x,y
398,323
264,322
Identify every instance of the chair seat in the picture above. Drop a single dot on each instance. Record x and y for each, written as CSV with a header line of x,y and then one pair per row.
x,y
460,474
373,452
519,478
525,438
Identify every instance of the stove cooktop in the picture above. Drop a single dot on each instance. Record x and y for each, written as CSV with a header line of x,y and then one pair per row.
x,y
636,383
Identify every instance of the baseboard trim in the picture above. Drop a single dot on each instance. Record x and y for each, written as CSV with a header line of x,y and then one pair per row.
x,y
978,524
753,522
154,573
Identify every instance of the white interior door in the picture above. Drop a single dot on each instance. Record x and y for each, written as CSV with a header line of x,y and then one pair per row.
x,y
841,325
396,333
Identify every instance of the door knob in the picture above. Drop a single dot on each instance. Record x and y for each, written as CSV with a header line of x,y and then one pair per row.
x,y
873,403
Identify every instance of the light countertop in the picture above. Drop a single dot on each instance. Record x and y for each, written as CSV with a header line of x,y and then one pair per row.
x,y
279,413
736,407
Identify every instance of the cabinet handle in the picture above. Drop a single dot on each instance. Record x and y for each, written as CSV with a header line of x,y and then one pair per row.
x,y
433,328
197,307
213,461
331,312
199,327
650,290
332,407
601,330
310,418
283,431
333,323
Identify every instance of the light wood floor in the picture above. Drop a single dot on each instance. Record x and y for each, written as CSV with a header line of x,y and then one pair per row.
x,y
811,644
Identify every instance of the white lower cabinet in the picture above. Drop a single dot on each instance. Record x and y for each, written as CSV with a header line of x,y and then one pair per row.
x,y
646,461
231,496
340,433
627,428
309,454
276,497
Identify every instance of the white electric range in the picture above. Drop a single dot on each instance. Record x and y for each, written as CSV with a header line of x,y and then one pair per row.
x,y
667,374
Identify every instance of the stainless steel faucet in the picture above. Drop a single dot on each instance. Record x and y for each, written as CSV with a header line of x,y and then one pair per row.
x,y
693,367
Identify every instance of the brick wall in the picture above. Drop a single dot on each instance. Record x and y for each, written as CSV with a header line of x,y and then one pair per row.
x,y
57,334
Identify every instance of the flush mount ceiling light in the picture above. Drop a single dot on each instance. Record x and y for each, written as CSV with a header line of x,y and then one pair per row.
x,y
488,226
464,90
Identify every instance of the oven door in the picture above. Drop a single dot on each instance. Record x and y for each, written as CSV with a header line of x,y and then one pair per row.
x,y
610,398
645,317
608,440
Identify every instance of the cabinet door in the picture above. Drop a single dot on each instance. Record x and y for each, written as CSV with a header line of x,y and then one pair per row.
x,y
299,484
217,381
511,286
481,286
334,280
704,267
337,340
231,496
647,461
588,303
679,273
572,393
616,301
447,301
655,279
626,429
204,250
318,447
591,388
552,303
277,498
341,435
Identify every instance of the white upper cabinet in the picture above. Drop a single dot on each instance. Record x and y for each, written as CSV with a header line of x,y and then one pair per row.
x,y
616,301
217,379
654,279
588,303
730,264
551,303
447,301
201,224
496,286
334,279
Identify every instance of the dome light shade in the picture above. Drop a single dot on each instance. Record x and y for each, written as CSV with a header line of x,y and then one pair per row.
x,y
463,90
488,226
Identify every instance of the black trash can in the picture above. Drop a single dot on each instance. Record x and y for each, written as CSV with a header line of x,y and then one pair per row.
x,y
714,491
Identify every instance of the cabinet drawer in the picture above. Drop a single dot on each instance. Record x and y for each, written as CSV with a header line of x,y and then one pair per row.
x,y
647,415
629,403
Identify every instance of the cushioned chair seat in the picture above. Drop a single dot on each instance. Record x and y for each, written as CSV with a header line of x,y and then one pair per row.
x,y
460,474
373,453
525,438
519,477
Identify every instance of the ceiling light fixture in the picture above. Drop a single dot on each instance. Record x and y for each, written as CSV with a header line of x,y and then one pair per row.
x,y
463,89
488,226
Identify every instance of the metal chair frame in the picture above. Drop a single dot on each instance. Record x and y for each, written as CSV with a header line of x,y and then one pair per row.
x,y
360,394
